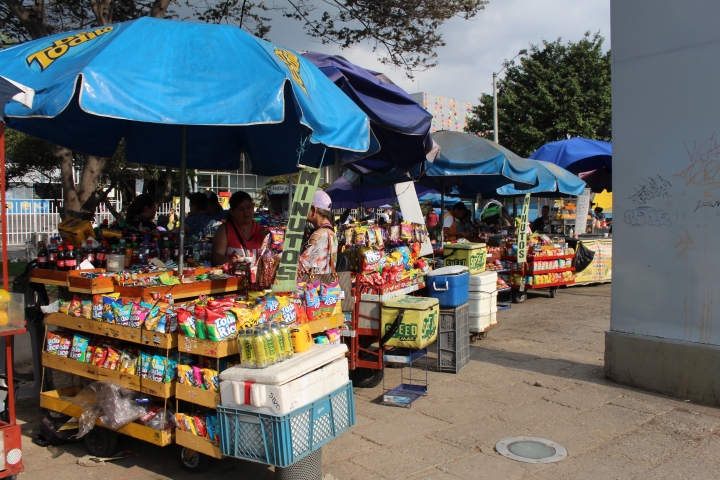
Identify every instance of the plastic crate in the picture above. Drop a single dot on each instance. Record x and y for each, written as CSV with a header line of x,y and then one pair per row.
x,y
453,350
282,440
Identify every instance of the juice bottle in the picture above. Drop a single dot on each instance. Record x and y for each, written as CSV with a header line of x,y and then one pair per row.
x,y
247,356
270,343
259,348
277,341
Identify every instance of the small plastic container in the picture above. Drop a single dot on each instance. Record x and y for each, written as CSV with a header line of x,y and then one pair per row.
x,y
115,263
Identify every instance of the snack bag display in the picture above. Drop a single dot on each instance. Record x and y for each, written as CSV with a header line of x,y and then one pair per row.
x,y
197,378
210,379
145,359
171,370
213,427
109,302
370,259
128,362
200,428
112,360
87,309
184,375
65,345
75,306
97,307
220,325
312,301
99,356
186,321
122,314
138,315
79,347
54,339
157,368
200,328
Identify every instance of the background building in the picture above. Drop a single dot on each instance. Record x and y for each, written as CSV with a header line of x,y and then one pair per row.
x,y
448,113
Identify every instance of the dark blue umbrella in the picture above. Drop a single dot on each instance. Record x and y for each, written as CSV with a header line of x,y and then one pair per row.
x,y
437,199
577,154
399,123
344,195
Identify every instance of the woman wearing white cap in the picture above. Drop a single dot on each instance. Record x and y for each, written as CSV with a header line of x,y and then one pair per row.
x,y
320,253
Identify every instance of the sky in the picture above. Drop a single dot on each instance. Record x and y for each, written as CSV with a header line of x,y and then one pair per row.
x,y
474,48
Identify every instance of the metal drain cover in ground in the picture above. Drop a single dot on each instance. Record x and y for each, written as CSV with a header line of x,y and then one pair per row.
x,y
531,450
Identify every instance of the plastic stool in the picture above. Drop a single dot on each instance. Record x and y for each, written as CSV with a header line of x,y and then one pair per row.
x,y
309,468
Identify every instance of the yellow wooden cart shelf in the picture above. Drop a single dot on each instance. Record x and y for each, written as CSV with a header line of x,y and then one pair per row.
x,y
87,370
52,401
130,334
197,444
198,396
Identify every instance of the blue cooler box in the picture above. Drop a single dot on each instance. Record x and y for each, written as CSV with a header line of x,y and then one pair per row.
x,y
450,285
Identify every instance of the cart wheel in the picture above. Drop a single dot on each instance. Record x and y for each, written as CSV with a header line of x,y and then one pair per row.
x,y
192,461
473,337
519,297
366,377
101,442
553,292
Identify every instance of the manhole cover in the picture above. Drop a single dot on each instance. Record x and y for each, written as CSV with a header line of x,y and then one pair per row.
x,y
531,450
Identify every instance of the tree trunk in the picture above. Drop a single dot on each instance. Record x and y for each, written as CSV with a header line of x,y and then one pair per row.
x,y
103,11
165,195
159,8
71,203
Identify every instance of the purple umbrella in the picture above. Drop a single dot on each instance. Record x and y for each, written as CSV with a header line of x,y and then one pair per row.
x,y
343,195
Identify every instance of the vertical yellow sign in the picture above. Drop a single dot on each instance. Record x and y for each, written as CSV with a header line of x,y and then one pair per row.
x,y
286,278
522,231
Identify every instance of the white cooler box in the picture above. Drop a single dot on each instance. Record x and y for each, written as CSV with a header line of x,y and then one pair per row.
x,y
483,282
288,385
480,323
482,303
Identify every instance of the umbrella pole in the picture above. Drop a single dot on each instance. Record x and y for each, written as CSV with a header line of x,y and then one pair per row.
x,y
183,174
442,210
3,219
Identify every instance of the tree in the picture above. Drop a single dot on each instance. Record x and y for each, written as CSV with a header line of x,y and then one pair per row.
x,y
405,30
556,92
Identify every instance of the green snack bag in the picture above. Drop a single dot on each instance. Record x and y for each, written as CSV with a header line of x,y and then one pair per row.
x,y
200,327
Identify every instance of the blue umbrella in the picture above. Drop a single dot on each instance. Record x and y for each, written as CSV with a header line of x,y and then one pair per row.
x,y
577,154
553,181
474,165
344,195
399,123
182,94
144,80
437,199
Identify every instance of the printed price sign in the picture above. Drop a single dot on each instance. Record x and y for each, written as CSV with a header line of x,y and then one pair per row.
x,y
522,231
286,278
581,212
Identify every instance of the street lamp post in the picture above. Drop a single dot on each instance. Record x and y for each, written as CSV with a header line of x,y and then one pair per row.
x,y
495,112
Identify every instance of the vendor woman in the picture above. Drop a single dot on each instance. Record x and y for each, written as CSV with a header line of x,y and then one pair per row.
x,y
240,235
320,252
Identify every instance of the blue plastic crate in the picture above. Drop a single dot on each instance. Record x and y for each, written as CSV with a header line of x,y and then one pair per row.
x,y
282,440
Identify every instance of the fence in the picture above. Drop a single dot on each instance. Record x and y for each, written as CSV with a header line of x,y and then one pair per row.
x,y
40,220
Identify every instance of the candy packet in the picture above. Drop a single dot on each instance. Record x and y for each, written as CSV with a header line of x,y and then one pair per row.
x,y
99,356
112,360
184,374
54,339
87,309
145,359
128,362
171,370
157,368
210,379
122,314
186,321
138,315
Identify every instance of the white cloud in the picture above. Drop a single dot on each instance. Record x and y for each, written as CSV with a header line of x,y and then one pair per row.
x,y
474,48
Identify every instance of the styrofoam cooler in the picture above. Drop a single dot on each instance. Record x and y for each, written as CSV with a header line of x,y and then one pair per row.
x,y
480,323
483,282
449,285
482,302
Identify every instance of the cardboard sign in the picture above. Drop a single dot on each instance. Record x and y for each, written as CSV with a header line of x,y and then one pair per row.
x,y
522,231
286,278
581,212
411,211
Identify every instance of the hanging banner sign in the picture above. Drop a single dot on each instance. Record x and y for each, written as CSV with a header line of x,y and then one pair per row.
x,y
522,231
286,278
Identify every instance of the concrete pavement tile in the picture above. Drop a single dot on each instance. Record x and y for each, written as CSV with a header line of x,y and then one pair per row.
x,y
582,397
649,445
482,432
582,355
481,466
702,409
701,463
553,383
687,423
433,473
586,373
645,403
594,465
400,429
454,390
460,410
516,394
346,470
361,420
492,375
376,411
548,366
610,420
537,413
574,438
347,446
402,460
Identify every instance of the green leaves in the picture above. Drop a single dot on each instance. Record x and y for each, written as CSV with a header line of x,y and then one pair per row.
x,y
556,92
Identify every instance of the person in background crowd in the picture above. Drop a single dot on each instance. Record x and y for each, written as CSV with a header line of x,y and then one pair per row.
x,y
214,209
431,221
370,214
450,223
171,219
240,235
386,216
320,253
494,214
599,214
141,213
346,217
466,225
197,219
543,221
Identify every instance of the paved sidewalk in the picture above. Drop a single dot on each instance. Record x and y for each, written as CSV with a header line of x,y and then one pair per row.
x,y
538,374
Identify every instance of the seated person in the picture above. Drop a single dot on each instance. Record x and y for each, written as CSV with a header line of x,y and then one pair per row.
x,y
542,222
451,223
197,219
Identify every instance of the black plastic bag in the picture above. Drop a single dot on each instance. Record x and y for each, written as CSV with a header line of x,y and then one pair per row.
x,y
583,257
